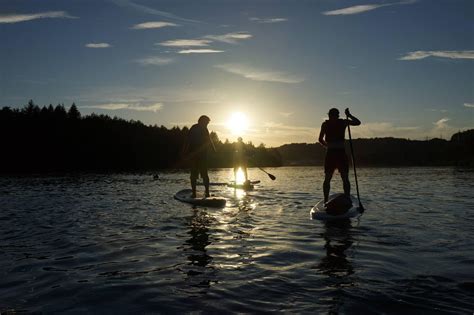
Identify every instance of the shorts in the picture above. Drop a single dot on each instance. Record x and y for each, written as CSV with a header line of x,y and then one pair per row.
x,y
199,167
336,159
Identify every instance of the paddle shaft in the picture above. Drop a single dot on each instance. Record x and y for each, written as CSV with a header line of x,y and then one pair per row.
x,y
354,165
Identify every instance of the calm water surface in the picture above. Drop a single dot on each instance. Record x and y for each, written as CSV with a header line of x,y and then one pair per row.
x,y
121,244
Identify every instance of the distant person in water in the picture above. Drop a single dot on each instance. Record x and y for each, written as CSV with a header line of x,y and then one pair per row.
x,y
332,138
240,160
198,144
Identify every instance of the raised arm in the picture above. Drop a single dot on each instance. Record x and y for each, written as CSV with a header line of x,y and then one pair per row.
x,y
321,135
351,120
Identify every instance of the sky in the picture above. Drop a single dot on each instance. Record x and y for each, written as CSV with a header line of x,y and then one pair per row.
x,y
404,68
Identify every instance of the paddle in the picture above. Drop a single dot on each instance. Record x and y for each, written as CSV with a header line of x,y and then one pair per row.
x,y
361,207
272,177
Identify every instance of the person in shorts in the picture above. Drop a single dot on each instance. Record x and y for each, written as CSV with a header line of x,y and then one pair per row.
x,y
332,137
198,145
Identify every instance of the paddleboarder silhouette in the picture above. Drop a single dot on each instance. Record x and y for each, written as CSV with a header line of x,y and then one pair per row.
x,y
240,160
198,145
331,137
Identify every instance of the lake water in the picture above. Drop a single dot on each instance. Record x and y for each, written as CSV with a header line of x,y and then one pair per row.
x,y
120,243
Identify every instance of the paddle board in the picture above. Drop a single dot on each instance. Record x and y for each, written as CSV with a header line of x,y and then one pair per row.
x,y
248,186
338,207
185,196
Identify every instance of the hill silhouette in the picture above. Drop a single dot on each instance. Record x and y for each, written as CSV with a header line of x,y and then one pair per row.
x,y
52,139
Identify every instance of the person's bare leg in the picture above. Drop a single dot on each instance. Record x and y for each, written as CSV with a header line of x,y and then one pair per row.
x,y
205,180
346,184
193,186
327,186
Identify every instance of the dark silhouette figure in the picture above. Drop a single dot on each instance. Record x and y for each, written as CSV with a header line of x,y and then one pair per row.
x,y
197,147
240,160
331,137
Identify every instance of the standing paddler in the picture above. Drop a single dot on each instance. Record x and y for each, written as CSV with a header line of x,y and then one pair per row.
x,y
332,137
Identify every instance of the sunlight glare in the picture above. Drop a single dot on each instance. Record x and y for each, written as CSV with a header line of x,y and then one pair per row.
x,y
239,177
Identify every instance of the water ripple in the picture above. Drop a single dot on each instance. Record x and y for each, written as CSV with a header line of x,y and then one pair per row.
x,y
120,243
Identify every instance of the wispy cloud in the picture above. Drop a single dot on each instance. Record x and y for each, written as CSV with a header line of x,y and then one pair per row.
x,y
437,110
286,114
274,133
268,20
230,38
469,105
441,123
199,51
16,18
186,43
98,45
451,54
149,10
364,8
260,75
355,9
152,25
124,106
385,129
154,61
442,129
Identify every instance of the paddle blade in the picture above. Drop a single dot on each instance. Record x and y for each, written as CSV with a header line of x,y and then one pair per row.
x,y
272,177
361,208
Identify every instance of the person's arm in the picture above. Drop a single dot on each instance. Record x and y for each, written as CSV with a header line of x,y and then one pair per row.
x,y
321,135
211,142
352,120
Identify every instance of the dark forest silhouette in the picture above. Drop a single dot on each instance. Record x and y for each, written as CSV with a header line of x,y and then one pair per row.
x,y
53,139
458,151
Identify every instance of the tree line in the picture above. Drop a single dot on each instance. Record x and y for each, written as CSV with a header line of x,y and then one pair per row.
x,y
458,151
56,139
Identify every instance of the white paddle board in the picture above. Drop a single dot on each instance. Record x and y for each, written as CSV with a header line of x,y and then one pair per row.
x,y
335,210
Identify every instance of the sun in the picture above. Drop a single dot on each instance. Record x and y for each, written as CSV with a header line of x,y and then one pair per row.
x,y
237,123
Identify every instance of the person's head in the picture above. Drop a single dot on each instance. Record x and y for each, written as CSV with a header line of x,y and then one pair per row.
x,y
204,120
239,139
333,113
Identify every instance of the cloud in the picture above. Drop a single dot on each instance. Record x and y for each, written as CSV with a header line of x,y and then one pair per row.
x,y
385,129
440,128
98,45
149,10
152,25
451,54
441,123
186,43
437,110
199,51
260,75
469,105
286,114
124,106
363,8
154,61
16,18
355,9
230,38
268,20
276,134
